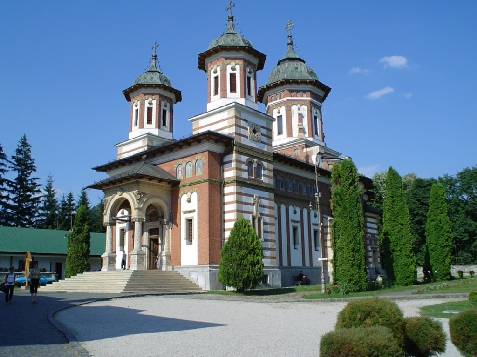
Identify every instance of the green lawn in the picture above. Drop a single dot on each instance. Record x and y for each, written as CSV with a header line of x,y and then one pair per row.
x,y
446,310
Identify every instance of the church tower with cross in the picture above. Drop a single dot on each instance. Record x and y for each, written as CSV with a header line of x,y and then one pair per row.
x,y
151,116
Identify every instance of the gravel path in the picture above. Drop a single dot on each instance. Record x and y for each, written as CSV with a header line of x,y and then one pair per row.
x,y
204,326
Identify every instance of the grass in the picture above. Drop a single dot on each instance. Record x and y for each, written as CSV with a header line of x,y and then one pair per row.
x,y
465,285
446,310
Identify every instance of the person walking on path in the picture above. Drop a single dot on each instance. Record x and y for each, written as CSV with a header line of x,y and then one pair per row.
x,y
9,284
35,282
123,261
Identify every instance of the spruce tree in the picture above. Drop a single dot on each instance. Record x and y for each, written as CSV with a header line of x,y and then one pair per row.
x,y
48,213
397,255
241,264
5,185
78,245
97,218
26,194
65,215
349,265
439,234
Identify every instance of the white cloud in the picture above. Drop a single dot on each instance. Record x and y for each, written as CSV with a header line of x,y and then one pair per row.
x,y
368,171
379,93
394,61
407,95
358,70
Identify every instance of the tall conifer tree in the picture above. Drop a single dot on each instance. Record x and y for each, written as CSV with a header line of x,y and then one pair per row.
x,y
349,265
5,187
78,245
67,209
397,255
48,214
439,234
26,194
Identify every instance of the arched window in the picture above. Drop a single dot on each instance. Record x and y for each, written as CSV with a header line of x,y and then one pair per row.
x,y
310,190
290,185
296,186
188,169
258,171
179,172
198,167
303,188
250,168
282,183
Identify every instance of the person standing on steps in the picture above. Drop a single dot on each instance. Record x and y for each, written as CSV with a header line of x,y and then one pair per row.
x,y
35,282
9,284
123,261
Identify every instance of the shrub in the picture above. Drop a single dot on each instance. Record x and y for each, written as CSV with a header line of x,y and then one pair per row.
x,y
473,299
471,273
373,312
460,273
241,264
463,332
423,337
360,342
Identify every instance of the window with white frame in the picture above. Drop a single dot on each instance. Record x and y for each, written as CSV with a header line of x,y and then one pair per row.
x,y
215,85
189,231
279,125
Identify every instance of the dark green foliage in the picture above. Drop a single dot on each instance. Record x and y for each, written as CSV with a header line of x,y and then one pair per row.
x,y
83,199
349,266
417,199
397,255
25,190
424,337
460,273
241,264
377,341
96,215
439,234
5,185
379,183
66,213
471,273
373,312
463,332
77,258
48,212
473,299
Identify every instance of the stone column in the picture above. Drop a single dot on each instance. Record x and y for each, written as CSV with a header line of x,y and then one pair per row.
x,y
166,251
137,256
109,258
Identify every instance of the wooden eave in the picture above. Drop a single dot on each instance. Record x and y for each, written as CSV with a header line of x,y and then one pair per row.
x,y
283,82
135,87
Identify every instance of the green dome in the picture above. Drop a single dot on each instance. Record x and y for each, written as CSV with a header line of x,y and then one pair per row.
x,y
291,67
230,37
153,76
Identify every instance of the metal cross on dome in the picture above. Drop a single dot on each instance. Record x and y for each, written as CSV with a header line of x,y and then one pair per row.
x,y
289,27
154,47
229,8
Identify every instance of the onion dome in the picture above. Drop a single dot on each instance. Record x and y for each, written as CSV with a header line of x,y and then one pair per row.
x,y
292,69
231,40
153,77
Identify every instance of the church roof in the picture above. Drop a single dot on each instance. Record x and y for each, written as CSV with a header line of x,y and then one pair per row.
x,y
140,170
153,77
231,40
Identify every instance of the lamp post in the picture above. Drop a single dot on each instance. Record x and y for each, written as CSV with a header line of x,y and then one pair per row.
x,y
319,157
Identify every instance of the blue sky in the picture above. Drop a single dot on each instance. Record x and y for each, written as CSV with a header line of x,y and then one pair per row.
x,y
403,76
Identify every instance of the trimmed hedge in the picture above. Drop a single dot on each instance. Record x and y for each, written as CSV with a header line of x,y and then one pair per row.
x,y
373,312
463,332
375,341
424,337
473,299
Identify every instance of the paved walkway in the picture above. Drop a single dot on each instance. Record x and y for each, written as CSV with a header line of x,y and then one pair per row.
x,y
30,329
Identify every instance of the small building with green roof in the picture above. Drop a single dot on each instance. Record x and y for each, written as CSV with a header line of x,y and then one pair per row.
x,y
46,246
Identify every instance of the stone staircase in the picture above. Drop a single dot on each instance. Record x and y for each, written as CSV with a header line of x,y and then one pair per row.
x,y
124,281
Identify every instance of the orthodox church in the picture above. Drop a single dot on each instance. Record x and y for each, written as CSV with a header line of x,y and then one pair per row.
x,y
171,204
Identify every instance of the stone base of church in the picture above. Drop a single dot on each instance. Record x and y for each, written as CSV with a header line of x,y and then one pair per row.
x,y
109,262
206,276
137,260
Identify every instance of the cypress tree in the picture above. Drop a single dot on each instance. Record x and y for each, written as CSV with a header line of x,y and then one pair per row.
x,y
78,245
241,264
397,255
48,213
5,185
26,194
439,234
349,265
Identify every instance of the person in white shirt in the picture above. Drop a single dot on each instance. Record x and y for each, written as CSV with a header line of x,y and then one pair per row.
x,y
35,282
9,284
123,261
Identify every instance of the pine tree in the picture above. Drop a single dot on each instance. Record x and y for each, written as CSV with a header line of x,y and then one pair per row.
x,y
241,264
48,213
26,194
78,246
439,234
5,185
67,209
97,218
83,199
397,256
349,265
